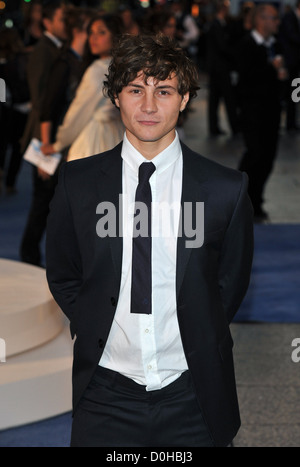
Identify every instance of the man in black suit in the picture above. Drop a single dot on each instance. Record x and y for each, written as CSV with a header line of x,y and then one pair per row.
x,y
289,38
262,72
41,60
220,64
150,293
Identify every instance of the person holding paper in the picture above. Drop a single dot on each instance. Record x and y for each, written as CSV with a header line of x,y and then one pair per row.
x,y
43,56
66,72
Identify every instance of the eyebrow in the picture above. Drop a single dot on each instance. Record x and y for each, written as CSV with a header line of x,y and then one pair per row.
x,y
162,86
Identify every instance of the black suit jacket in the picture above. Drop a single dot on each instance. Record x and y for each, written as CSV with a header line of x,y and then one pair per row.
x,y
258,81
84,274
289,38
220,53
41,60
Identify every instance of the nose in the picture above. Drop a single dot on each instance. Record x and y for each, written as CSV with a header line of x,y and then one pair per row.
x,y
148,103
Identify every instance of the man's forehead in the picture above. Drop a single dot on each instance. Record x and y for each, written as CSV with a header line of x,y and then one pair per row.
x,y
142,79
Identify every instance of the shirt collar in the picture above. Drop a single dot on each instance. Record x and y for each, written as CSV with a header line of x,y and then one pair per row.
x,y
162,161
54,39
260,40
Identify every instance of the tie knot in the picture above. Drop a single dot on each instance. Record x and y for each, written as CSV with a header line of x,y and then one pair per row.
x,y
146,169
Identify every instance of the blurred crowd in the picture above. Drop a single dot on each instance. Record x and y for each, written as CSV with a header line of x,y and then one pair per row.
x,y
55,60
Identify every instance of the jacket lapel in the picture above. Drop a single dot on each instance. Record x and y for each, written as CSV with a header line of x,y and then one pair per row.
x,y
193,190
109,183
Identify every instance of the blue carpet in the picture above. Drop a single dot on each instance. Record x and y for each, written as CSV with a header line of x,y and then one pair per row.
x,y
53,432
274,291
13,215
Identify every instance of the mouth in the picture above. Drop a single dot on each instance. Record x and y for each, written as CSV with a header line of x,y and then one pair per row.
x,y
148,122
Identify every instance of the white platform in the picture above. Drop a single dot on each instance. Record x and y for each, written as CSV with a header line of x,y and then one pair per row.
x,y
29,317
35,380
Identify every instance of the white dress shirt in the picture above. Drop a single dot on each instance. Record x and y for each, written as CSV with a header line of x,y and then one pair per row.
x,y
148,348
260,40
54,39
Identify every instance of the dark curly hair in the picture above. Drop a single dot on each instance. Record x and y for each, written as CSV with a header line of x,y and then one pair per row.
x,y
158,57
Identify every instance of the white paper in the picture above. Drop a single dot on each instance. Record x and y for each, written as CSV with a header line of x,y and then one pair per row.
x,y
35,156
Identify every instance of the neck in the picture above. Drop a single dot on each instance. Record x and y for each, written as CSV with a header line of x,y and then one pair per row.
x,y
263,33
150,149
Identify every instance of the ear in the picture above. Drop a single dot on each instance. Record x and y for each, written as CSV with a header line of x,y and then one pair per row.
x,y
117,102
184,101
47,24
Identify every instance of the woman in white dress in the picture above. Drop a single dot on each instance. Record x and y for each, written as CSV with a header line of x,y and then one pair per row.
x,y
92,123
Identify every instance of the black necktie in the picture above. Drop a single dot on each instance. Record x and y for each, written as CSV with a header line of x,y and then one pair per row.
x,y
141,286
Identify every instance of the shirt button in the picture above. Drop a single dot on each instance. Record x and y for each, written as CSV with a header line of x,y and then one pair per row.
x,y
149,367
147,331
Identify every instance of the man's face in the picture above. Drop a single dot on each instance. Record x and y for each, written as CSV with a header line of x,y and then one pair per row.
x,y
226,6
57,25
271,20
150,111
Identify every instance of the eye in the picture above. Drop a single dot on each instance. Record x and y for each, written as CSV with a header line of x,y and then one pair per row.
x,y
163,93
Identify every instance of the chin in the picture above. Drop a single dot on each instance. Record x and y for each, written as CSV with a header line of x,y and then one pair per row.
x,y
94,50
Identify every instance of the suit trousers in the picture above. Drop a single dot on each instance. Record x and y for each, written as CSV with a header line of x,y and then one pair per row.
x,y
43,191
115,411
261,135
221,88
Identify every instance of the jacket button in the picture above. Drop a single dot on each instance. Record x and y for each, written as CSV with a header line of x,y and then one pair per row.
x,y
100,343
113,301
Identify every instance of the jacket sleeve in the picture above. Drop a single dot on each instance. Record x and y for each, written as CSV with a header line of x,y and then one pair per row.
x,y
237,254
54,99
63,260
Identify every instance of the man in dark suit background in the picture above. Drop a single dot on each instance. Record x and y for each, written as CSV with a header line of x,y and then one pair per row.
x,y
261,75
153,363
220,64
41,60
289,39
